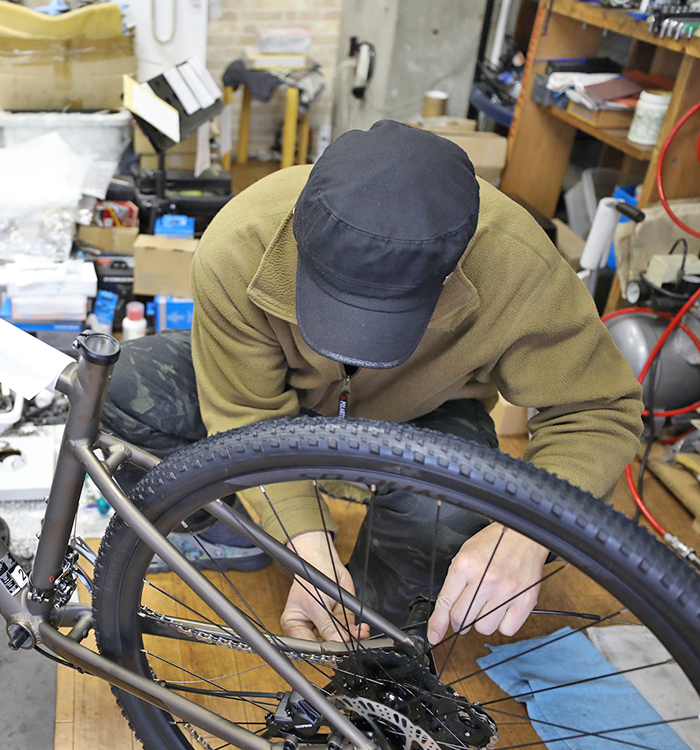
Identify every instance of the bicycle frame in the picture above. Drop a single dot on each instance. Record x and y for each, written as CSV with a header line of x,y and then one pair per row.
x,y
33,615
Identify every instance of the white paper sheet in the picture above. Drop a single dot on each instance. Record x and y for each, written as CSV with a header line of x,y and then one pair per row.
x,y
151,108
199,89
182,90
205,76
27,365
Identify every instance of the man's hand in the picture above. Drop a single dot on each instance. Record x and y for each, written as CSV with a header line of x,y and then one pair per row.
x,y
304,616
516,565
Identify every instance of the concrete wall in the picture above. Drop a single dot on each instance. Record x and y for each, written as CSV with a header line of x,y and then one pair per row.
x,y
419,45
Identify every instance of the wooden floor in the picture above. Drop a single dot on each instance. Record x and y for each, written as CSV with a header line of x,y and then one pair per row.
x,y
87,717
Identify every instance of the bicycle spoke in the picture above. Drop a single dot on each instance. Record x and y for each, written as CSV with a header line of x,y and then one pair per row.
x,y
530,650
194,611
227,694
365,569
193,674
601,734
581,615
476,593
335,574
223,677
577,682
254,618
336,622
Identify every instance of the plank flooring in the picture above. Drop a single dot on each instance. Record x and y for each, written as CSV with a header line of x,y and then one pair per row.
x,y
87,717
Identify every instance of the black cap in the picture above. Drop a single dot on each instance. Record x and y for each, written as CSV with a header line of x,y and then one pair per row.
x,y
384,218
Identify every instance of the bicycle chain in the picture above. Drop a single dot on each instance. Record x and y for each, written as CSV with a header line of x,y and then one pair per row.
x,y
230,643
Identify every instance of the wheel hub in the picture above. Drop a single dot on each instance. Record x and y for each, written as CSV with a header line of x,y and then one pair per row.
x,y
390,693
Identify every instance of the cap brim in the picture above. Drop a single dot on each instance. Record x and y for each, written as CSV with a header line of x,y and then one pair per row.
x,y
354,335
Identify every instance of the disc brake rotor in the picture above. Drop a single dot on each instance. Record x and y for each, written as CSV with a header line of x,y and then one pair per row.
x,y
408,703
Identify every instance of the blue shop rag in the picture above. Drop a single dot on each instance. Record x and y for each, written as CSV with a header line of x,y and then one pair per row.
x,y
596,706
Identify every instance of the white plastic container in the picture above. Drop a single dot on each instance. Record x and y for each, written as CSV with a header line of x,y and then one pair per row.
x,y
134,323
102,134
649,116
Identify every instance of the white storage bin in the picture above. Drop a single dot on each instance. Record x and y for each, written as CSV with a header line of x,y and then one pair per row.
x,y
104,135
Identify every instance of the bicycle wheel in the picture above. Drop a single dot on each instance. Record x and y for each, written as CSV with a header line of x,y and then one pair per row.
x,y
156,626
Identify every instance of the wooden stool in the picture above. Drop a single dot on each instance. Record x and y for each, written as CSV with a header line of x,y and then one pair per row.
x,y
289,132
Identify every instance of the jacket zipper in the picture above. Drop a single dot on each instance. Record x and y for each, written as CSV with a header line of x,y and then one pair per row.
x,y
344,400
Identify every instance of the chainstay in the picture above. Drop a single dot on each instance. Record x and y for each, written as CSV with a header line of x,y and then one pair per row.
x,y
230,642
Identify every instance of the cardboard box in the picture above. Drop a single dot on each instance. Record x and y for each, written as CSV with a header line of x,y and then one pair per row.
x,y
70,278
445,125
257,61
172,161
569,244
110,239
509,419
78,73
602,118
162,265
143,146
487,152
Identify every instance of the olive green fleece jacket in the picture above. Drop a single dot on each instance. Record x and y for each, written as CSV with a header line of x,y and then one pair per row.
x,y
513,317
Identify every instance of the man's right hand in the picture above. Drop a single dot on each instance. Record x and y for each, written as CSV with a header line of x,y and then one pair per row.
x,y
304,616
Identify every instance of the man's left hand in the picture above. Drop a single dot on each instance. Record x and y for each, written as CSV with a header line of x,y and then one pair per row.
x,y
466,599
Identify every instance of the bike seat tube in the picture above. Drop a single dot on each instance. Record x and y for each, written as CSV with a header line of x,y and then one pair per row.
x,y
86,387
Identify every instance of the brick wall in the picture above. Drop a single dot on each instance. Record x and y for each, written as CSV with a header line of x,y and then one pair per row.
x,y
236,29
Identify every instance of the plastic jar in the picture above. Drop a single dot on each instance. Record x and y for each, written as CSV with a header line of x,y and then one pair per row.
x,y
649,117
134,323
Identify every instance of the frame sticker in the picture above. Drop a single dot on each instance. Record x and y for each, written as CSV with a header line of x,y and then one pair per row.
x,y
12,576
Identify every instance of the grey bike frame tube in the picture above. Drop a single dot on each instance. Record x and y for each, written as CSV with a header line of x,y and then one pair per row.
x,y
85,384
211,596
150,691
292,561
137,456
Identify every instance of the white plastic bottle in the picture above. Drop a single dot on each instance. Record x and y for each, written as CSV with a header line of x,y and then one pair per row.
x,y
134,323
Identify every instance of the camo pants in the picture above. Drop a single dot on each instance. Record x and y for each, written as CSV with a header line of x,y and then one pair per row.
x,y
152,403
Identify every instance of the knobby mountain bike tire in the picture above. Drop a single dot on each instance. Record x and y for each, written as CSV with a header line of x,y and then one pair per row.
x,y
635,580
